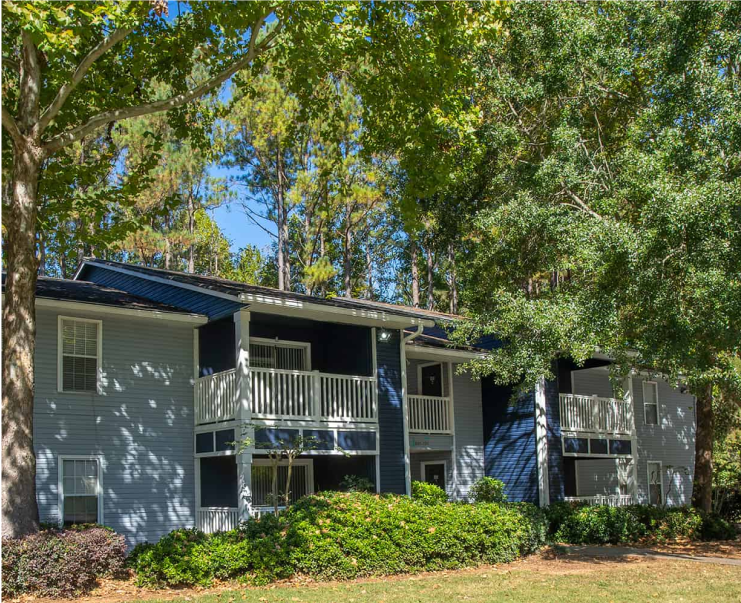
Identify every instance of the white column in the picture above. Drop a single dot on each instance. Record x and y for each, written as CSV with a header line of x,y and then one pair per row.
x,y
405,415
629,397
244,411
541,443
453,453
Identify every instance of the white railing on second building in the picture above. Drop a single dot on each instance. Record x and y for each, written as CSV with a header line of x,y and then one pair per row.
x,y
595,415
611,500
223,519
289,395
429,414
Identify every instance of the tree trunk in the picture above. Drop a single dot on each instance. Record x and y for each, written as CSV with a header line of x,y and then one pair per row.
x,y
322,251
369,270
42,254
346,255
191,232
702,488
20,512
284,271
415,274
453,280
430,275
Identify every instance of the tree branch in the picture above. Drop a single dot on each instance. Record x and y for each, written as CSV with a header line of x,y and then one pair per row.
x,y
583,206
11,126
66,138
99,50
12,63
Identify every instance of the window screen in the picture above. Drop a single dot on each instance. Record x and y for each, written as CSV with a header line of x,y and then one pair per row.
x,y
79,355
262,483
80,488
278,356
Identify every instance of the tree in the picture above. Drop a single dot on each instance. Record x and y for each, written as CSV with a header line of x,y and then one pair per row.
x,y
76,68
610,219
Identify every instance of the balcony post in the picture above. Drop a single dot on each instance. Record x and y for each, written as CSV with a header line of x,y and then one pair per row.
x,y
541,443
244,412
316,395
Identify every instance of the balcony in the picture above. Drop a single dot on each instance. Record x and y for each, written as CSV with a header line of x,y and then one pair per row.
x,y
430,414
592,414
279,394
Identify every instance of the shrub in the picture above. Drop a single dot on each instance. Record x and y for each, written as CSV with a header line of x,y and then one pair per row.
x,y
356,483
61,563
428,494
715,527
488,490
345,535
600,525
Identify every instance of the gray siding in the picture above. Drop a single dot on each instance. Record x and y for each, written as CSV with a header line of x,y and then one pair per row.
x,y
672,441
416,460
596,476
391,416
469,435
141,424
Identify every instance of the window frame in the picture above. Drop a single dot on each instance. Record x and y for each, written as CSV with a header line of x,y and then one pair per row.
x,y
306,462
443,462
661,481
60,482
305,345
655,403
61,355
422,365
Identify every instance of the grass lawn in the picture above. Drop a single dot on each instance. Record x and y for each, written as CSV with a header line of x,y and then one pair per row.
x,y
538,578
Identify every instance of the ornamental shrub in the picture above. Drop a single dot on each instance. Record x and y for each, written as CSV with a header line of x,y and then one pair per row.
x,y
61,563
338,535
356,483
600,525
488,490
428,494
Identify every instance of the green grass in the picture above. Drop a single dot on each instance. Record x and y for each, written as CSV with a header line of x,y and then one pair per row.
x,y
540,580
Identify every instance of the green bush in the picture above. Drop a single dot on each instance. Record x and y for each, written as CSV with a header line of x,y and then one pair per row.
x,y
428,494
356,483
577,523
488,490
60,563
345,535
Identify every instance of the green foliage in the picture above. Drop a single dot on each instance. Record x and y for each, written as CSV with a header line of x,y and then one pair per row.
x,y
577,523
428,494
487,490
60,563
356,483
345,535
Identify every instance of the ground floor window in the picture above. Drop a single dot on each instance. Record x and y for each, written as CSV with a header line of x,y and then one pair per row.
x,y
80,490
302,481
655,483
434,472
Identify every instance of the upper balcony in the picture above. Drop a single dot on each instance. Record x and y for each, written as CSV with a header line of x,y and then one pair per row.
x,y
280,394
596,415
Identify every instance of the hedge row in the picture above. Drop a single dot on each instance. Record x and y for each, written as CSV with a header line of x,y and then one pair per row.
x,y
345,535
61,563
577,523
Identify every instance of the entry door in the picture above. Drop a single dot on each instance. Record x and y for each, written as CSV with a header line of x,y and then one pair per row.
x,y
432,380
434,473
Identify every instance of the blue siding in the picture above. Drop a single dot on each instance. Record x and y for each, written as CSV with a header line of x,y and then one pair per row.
x,y
509,441
391,415
555,456
201,303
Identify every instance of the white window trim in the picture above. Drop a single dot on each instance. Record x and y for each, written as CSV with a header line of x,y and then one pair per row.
x,y
443,462
422,365
655,403
661,480
60,355
60,482
287,344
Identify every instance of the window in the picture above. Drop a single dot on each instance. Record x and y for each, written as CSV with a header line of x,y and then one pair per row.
x,y
293,356
430,379
655,483
80,490
302,481
650,403
80,345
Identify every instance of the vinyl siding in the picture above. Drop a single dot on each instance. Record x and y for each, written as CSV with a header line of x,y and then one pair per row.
x,y
553,435
509,435
391,415
596,476
141,424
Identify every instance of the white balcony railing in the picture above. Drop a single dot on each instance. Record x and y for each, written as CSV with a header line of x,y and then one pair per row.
x,y
217,519
592,414
289,395
429,414
611,500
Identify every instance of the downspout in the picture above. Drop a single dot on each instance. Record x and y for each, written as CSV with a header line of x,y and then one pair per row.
x,y
405,406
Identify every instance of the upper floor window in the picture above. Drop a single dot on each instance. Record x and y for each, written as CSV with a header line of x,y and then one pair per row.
x,y
650,403
430,378
80,350
80,490
287,355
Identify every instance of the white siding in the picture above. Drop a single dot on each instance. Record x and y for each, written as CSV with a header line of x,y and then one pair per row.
x,y
141,423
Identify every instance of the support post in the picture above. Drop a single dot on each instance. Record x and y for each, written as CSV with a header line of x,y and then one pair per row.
x,y
630,398
451,425
541,443
244,412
